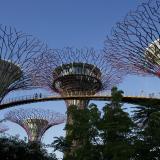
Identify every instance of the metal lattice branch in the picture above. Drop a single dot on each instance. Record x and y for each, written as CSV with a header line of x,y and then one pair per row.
x,y
134,45
45,71
35,121
17,51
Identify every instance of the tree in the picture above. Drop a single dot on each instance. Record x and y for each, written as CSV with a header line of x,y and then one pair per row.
x,y
147,142
116,130
82,133
15,149
93,136
142,114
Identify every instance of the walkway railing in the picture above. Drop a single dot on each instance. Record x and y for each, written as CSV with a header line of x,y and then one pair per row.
x,y
25,97
37,96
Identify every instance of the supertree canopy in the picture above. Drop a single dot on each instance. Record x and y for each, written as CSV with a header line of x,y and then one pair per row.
x,y
77,72
35,121
134,44
16,53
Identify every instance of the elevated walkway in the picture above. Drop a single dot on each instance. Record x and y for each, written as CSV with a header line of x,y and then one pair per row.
x,y
137,100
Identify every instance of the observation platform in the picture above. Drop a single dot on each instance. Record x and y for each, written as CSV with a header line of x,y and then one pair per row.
x,y
136,100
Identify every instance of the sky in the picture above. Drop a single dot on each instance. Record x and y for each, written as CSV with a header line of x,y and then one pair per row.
x,y
74,23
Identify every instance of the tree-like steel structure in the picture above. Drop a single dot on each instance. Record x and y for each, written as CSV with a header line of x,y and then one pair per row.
x,y
35,121
16,53
76,72
134,44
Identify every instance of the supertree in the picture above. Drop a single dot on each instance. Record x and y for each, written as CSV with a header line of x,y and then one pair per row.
x,y
74,72
35,121
17,50
134,44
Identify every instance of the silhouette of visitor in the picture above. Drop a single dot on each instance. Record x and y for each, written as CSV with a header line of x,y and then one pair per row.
x,y
36,96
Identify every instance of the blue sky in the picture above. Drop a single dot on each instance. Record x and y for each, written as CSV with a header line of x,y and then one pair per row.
x,y
77,23
62,23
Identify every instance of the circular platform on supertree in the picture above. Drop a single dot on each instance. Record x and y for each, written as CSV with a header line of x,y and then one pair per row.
x,y
17,53
74,72
9,73
134,43
78,78
152,55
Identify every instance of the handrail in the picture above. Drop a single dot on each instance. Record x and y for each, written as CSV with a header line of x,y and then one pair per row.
x,y
56,96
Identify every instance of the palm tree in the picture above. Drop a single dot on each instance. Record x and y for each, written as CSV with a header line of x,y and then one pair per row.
x,y
142,114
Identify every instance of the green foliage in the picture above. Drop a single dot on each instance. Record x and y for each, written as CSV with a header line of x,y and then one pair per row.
x,y
117,96
96,135
81,134
116,130
14,149
142,114
147,142
111,134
